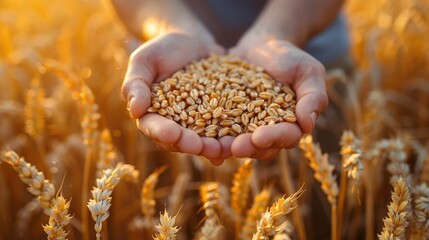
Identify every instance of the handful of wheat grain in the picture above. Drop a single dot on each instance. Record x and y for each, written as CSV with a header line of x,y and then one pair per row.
x,y
223,95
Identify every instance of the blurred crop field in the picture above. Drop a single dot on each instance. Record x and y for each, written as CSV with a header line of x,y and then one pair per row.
x,y
61,69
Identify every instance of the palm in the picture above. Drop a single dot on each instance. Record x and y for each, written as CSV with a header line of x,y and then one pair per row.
x,y
290,66
154,61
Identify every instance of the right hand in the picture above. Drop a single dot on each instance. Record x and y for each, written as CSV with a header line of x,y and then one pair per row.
x,y
153,62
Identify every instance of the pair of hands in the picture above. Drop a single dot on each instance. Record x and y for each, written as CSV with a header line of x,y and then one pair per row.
x,y
160,57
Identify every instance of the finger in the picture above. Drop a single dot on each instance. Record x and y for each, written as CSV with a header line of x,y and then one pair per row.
x,y
280,135
243,146
217,162
211,148
311,101
138,97
140,75
160,128
166,147
226,143
266,154
190,142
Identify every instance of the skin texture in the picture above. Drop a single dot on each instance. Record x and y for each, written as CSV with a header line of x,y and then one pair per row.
x,y
271,42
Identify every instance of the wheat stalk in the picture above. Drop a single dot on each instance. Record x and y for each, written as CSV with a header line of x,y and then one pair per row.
x,y
395,223
166,229
351,155
29,175
89,124
323,172
100,204
240,190
147,196
58,219
398,166
351,168
424,174
420,223
178,192
260,203
272,220
107,157
35,109
211,229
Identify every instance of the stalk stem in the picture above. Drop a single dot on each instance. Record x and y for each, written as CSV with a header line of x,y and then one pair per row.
x,y
334,235
341,202
85,183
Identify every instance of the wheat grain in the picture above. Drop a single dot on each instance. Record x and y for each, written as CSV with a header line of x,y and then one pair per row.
x,y
395,223
228,88
59,218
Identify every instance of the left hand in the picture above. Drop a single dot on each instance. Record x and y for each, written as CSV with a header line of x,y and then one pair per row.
x,y
290,66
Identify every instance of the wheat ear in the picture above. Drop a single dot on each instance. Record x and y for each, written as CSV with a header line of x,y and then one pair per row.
x,y
107,157
147,195
351,168
37,184
323,172
420,223
89,124
398,166
59,218
260,203
166,228
272,220
285,232
351,155
175,200
34,109
240,190
395,223
211,229
100,204
424,174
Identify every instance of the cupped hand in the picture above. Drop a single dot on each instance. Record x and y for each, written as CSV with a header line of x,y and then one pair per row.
x,y
293,67
153,62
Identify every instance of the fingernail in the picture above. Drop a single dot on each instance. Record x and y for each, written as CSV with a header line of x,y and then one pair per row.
x,y
313,116
130,103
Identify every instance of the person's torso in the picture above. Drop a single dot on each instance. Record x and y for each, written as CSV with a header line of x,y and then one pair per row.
x,y
229,19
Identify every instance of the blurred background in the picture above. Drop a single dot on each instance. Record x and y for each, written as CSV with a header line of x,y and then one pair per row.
x,y
61,68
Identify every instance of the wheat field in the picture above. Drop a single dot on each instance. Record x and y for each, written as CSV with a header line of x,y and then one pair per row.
x,y
74,166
